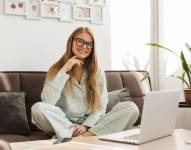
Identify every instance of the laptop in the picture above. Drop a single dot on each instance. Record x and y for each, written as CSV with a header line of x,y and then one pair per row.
x,y
158,119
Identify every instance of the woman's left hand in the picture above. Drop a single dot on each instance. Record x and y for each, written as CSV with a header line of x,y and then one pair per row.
x,y
78,129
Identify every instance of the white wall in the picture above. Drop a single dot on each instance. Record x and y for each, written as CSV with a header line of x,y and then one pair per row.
x,y
34,45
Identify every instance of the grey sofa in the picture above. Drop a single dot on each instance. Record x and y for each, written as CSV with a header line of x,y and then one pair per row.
x,y
31,83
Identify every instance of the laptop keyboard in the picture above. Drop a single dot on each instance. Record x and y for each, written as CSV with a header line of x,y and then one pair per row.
x,y
132,137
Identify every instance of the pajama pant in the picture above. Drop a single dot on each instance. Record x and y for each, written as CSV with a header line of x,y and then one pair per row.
x,y
50,118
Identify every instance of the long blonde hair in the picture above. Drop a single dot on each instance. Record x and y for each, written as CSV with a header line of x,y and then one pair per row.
x,y
91,66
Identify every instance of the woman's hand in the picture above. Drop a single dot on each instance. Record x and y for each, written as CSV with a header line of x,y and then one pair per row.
x,y
72,62
78,129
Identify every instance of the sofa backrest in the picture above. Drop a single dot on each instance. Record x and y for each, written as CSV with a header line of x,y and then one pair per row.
x,y
31,83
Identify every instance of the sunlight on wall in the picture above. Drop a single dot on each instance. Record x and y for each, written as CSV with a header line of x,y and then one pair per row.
x,y
130,31
174,32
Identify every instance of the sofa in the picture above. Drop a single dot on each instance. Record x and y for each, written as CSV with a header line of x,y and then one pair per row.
x,y
138,82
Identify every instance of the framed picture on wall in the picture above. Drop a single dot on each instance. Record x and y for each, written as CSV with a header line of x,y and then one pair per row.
x,y
33,9
97,16
51,0
69,1
83,2
66,12
82,12
15,7
98,2
50,9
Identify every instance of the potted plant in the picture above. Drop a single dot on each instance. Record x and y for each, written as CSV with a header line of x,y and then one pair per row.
x,y
186,70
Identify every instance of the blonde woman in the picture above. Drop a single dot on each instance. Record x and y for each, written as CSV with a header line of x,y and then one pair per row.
x,y
74,96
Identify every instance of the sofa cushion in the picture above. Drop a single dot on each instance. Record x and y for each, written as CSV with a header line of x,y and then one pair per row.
x,y
13,113
117,96
114,81
132,80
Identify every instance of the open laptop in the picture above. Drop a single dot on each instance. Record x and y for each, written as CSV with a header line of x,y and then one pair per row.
x,y
158,119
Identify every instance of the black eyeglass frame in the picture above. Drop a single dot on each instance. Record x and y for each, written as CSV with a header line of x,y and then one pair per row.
x,y
84,42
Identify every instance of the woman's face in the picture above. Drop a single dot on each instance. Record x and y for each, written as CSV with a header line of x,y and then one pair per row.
x,y
82,45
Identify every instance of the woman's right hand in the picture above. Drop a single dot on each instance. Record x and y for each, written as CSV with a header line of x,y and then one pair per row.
x,y
78,129
71,63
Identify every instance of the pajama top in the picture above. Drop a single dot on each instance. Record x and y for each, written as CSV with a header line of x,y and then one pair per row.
x,y
74,104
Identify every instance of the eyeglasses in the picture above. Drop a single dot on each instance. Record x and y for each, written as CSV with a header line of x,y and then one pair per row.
x,y
81,42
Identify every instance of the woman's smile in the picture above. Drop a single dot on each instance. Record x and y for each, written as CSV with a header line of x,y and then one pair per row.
x,y
82,51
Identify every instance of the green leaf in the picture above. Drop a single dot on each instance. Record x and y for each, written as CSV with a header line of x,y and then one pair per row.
x,y
160,46
183,74
185,67
188,47
179,77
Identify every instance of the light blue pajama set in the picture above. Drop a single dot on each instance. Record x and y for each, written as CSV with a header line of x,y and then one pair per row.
x,y
59,109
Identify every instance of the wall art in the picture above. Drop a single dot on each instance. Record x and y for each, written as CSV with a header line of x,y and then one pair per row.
x,y
82,12
33,10
50,9
63,10
97,15
15,7
98,2
66,12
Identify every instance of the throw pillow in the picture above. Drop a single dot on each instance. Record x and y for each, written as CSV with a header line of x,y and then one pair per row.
x,y
13,118
117,96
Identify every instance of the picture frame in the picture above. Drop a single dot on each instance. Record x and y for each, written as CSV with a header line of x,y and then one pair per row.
x,y
98,2
50,9
83,2
15,7
55,1
69,1
63,10
66,12
82,12
97,15
33,9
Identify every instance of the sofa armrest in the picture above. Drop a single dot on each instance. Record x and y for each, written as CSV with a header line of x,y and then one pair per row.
x,y
4,145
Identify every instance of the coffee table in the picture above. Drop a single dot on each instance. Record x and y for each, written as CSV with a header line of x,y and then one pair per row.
x,y
180,140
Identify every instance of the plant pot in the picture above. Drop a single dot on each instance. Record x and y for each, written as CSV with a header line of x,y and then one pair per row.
x,y
187,95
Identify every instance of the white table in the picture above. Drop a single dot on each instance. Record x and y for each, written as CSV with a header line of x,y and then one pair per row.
x,y
174,142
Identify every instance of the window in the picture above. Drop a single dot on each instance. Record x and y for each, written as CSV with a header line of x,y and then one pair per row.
x,y
174,29
130,31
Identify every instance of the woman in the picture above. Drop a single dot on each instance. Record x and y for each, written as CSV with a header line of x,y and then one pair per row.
x,y
75,95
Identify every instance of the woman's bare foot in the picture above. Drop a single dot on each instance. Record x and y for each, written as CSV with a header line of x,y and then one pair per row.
x,y
88,133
